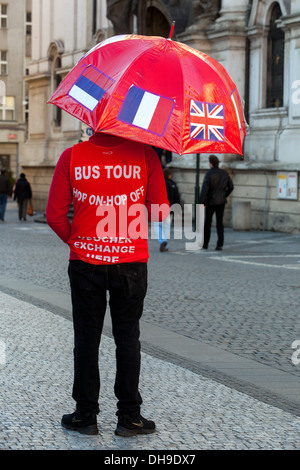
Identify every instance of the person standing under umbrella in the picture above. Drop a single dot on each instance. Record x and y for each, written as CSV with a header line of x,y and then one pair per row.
x,y
108,179
216,187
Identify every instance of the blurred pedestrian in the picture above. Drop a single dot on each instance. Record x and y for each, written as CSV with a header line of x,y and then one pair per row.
x,y
168,156
165,156
216,187
159,153
22,194
163,228
5,191
106,174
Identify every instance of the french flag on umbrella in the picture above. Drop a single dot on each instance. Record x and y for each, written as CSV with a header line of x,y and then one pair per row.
x,y
90,87
146,110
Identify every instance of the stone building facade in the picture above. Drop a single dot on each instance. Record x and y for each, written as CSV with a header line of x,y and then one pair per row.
x,y
15,55
62,32
258,42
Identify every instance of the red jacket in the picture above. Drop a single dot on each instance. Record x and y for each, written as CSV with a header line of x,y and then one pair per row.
x,y
104,176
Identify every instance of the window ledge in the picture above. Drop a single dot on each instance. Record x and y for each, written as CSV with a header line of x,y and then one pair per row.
x,y
270,112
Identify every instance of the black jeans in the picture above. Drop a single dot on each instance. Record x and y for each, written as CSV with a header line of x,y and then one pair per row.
x,y
209,212
22,203
127,286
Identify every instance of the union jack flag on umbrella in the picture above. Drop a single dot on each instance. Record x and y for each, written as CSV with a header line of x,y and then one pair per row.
x,y
157,91
207,121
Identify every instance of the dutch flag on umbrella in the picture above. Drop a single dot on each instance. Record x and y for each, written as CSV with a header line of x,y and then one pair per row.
x,y
146,110
90,87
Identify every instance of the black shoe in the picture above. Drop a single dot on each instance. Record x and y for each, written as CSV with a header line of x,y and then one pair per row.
x,y
128,426
218,248
86,424
163,246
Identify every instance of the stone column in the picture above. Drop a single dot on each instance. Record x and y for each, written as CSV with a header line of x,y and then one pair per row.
x,y
233,9
228,40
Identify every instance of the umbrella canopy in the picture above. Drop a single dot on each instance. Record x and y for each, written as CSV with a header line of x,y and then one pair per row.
x,y
157,91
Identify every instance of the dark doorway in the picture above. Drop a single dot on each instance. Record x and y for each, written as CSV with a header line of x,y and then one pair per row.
x,y
275,64
156,23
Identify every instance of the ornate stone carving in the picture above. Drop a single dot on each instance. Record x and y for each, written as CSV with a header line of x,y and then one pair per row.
x,y
55,48
206,11
120,12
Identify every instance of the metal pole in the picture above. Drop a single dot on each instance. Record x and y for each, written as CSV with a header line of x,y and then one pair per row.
x,y
196,198
266,204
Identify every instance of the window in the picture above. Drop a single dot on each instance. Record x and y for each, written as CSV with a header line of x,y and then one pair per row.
x,y
275,61
3,15
26,108
57,81
3,62
4,162
28,23
7,109
2,91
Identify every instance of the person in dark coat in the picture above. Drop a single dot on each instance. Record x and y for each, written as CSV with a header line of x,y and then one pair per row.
x,y
216,187
172,189
23,194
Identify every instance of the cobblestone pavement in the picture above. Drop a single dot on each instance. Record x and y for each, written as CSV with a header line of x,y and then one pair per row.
x,y
241,302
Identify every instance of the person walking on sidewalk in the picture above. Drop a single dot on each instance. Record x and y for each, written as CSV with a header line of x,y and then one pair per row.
x,y
163,228
216,187
23,194
106,178
5,191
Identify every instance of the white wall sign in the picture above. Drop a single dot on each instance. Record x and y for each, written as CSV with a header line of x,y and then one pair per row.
x,y
287,184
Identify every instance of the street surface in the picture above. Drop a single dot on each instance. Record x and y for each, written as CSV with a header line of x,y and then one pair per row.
x,y
220,335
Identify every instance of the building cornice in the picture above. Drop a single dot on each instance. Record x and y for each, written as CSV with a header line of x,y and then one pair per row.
x,y
289,21
37,76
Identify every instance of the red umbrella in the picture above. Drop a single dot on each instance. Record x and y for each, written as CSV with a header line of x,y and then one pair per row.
x,y
157,91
